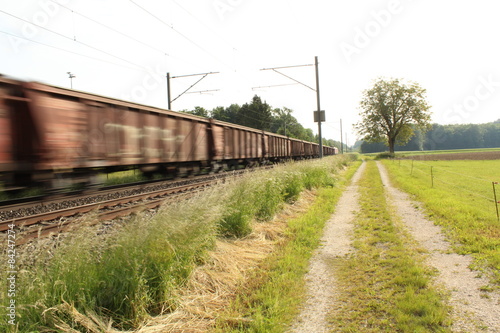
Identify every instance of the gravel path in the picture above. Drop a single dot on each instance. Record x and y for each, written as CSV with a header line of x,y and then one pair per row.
x,y
320,282
473,310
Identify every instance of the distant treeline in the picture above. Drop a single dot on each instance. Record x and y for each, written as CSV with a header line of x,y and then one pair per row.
x,y
260,115
442,137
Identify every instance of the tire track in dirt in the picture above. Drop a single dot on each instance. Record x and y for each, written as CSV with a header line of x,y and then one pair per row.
x,y
472,311
321,286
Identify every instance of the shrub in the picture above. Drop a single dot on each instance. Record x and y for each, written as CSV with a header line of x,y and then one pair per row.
x,y
268,199
385,155
239,211
292,185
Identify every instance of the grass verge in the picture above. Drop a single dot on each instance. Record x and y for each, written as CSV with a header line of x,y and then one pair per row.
x,y
384,285
270,298
461,201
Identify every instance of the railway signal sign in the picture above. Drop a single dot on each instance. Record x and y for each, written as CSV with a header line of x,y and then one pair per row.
x,y
319,116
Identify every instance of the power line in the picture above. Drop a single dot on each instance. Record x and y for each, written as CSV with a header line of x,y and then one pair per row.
x,y
203,24
74,40
204,75
274,69
112,29
124,34
274,85
64,50
180,33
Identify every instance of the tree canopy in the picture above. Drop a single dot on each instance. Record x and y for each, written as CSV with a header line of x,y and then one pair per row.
x,y
392,111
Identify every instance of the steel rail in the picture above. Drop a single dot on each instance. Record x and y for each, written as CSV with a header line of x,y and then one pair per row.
x,y
135,201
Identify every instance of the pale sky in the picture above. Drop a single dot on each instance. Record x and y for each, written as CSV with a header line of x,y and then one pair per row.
x,y
124,49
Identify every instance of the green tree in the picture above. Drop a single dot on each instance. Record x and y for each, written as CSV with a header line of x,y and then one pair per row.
x,y
198,111
391,111
229,114
286,124
256,114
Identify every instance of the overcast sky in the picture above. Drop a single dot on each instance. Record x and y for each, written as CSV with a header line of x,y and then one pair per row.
x,y
124,48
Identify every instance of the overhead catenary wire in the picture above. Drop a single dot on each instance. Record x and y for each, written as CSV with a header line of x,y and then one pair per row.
x,y
152,47
204,25
113,29
180,33
191,40
76,41
69,51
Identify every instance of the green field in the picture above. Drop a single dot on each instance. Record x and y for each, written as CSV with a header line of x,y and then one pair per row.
x,y
458,194
454,151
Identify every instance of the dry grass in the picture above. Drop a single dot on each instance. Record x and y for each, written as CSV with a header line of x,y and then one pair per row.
x,y
212,286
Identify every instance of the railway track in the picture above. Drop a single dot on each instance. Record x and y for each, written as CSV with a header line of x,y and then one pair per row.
x,y
55,220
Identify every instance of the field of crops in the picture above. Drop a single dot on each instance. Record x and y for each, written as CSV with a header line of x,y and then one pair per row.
x,y
459,195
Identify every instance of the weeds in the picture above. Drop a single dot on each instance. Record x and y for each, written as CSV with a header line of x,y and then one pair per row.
x,y
123,177
261,195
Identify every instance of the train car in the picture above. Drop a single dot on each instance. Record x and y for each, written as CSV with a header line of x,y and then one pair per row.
x,y
7,97
237,145
17,149
49,133
308,149
76,134
297,149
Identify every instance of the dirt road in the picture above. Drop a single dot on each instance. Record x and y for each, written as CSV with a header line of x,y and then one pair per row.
x,y
472,310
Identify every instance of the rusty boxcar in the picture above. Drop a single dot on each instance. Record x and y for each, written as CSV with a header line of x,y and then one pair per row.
x,y
48,132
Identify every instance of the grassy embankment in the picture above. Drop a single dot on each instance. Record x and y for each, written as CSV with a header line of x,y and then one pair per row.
x,y
460,200
91,280
270,300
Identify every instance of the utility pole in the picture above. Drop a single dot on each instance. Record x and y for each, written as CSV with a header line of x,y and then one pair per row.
x,y
341,141
168,91
346,144
71,76
186,91
321,114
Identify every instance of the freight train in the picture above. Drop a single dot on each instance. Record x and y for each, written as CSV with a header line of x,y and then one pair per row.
x,y
49,133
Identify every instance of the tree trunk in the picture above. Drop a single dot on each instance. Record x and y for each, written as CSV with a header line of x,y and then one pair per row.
x,y
392,142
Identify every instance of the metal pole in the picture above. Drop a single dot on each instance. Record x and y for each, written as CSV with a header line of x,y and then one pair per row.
x,y
341,139
319,108
432,177
346,144
168,92
496,200
71,76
